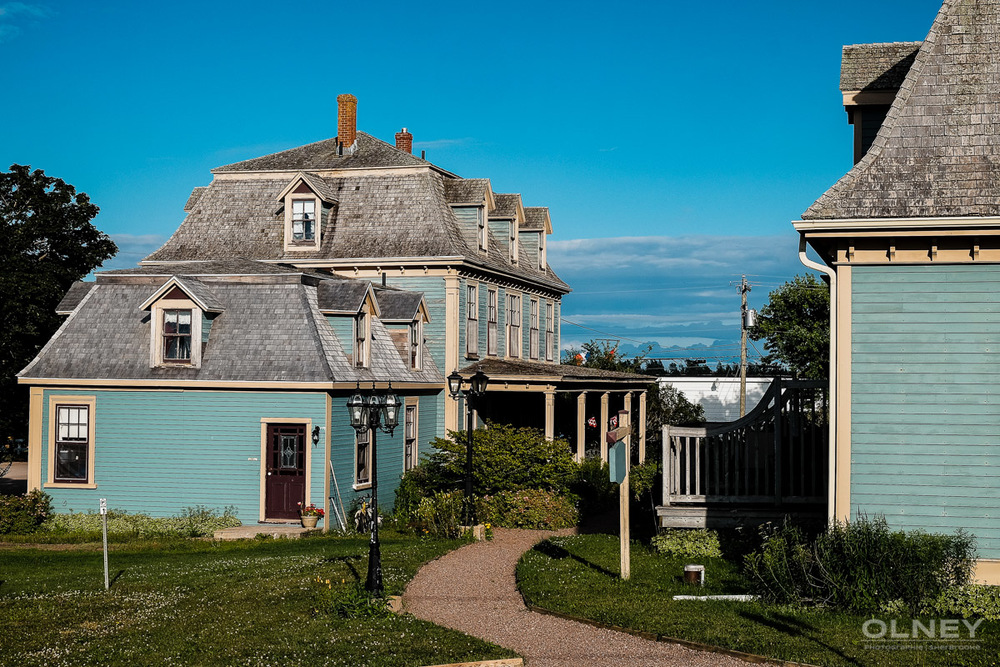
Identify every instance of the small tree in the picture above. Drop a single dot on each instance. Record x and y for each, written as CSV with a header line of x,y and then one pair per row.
x,y
795,327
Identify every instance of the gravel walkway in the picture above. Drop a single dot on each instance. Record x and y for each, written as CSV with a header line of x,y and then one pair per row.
x,y
472,589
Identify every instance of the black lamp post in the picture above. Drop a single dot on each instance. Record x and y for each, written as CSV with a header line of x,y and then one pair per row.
x,y
477,388
371,413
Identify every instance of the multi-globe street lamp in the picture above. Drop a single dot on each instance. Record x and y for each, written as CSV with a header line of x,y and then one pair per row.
x,y
374,412
476,390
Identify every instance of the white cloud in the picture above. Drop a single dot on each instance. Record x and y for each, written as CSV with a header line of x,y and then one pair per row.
x,y
12,12
132,248
442,143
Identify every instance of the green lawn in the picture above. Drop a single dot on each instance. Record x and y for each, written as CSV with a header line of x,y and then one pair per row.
x,y
579,576
197,602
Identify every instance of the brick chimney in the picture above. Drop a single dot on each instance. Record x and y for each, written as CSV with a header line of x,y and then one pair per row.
x,y
347,119
404,141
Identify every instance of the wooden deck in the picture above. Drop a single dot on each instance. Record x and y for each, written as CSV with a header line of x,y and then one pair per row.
x,y
770,464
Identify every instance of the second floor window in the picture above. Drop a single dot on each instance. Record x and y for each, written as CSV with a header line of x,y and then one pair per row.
x,y
361,341
491,322
363,458
514,325
550,331
533,332
416,347
472,322
304,220
177,335
409,437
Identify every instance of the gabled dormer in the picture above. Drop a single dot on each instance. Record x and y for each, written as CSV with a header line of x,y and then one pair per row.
x,y
404,315
304,201
349,306
505,223
180,317
471,200
536,227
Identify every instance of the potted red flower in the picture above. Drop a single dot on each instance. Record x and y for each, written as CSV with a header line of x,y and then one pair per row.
x,y
310,515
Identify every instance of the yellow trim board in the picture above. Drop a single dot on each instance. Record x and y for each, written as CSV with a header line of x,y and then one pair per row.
x,y
218,384
988,571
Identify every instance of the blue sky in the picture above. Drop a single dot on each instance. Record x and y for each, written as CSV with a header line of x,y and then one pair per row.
x,y
673,142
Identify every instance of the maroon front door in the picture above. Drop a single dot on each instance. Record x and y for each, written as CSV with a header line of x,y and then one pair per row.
x,y
285,485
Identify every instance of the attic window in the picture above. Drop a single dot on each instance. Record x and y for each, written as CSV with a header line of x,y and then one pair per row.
x,y
482,229
177,336
304,220
416,347
513,241
361,339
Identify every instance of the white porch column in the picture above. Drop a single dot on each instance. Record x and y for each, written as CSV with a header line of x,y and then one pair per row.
x,y
642,427
604,426
550,414
628,408
581,425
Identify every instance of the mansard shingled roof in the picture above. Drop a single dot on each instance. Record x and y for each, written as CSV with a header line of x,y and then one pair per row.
x,y
369,152
465,190
937,152
876,66
266,332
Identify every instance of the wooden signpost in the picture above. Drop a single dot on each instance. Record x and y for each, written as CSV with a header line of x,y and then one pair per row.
x,y
619,455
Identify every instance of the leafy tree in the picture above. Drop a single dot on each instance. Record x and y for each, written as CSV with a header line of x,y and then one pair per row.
x,y
795,327
46,243
604,355
667,405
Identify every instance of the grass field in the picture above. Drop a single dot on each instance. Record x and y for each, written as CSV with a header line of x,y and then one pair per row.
x,y
579,576
199,602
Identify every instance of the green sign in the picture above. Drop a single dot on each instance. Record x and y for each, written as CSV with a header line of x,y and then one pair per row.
x,y
618,461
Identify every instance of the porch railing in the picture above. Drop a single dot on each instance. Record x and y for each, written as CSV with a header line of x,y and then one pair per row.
x,y
774,455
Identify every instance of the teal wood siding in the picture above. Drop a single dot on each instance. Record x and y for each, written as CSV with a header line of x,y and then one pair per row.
x,y
434,296
343,328
529,242
500,229
206,325
468,216
158,452
925,407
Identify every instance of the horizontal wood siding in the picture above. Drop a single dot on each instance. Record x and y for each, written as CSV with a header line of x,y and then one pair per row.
x,y
158,452
434,296
529,242
925,406
343,327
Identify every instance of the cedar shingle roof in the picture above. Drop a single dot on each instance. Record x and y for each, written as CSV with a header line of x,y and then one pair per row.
x,y
73,297
267,332
465,190
398,305
500,369
938,150
344,296
536,217
876,66
507,205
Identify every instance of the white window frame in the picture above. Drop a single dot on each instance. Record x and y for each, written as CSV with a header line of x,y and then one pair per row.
x,y
358,482
492,319
416,334
156,333
89,404
411,434
513,325
472,321
291,244
362,344
533,329
301,218
550,331
483,229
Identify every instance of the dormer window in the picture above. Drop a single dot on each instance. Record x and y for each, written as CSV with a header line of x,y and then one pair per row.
x,y
176,336
482,229
304,220
512,244
416,344
361,339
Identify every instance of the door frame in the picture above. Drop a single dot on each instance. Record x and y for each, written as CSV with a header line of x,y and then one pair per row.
x,y
307,447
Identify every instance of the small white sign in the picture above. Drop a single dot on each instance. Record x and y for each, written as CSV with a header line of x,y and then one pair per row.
x,y
104,505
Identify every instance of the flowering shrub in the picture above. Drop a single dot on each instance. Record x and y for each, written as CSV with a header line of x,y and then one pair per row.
x,y
439,514
528,508
24,514
311,510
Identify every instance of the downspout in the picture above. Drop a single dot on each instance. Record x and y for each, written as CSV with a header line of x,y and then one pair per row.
x,y
832,463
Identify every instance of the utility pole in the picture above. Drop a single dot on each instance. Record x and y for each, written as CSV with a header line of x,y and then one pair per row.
x,y
744,287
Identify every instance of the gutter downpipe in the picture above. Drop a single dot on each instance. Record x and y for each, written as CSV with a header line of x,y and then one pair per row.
x,y
832,464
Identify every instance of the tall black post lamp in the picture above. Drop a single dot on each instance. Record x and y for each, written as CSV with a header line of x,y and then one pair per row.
x,y
371,413
477,388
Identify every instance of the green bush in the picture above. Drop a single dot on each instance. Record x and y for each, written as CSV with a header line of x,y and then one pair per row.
x,y
348,600
505,459
439,514
681,543
860,566
20,515
528,508
971,601
593,487
191,522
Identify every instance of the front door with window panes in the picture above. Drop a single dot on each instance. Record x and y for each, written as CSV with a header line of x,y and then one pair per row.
x,y
285,486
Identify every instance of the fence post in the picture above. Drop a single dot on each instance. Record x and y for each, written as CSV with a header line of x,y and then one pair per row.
x,y
667,465
778,402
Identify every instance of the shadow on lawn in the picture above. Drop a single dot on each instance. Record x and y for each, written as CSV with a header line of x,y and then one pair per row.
x,y
794,627
557,552
347,561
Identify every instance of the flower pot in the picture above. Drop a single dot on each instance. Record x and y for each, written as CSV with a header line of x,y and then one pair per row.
x,y
309,521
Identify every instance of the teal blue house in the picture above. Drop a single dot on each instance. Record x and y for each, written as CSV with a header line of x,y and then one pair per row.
x,y
293,278
910,241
